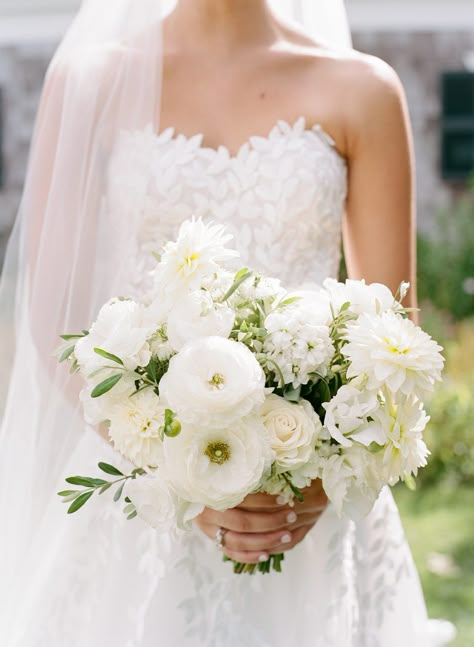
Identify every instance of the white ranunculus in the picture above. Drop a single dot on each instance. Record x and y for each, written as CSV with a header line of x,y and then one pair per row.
x,y
298,344
119,329
135,425
159,506
196,315
213,382
405,452
392,351
347,417
218,467
374,298
192,259
293,430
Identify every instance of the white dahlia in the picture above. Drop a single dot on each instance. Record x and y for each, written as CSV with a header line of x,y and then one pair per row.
x,y
374,298
392,351
349,417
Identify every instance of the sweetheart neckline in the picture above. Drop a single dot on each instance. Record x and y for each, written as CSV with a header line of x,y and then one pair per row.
x,y
282,128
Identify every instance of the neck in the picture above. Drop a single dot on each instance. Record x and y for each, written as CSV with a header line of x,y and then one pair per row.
x,y
222,23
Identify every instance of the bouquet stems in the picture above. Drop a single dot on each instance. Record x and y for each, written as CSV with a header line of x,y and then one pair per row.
x,y
273,563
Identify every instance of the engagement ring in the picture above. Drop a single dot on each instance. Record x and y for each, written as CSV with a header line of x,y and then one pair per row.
x,y
220,538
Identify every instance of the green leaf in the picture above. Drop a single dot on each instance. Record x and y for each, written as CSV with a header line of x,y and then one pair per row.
x,y
85,481
105,487
66,354
119,493
79,502
106,355
288,302
110,469
70,337
410,482
291,394
242,272
129,508
68,492
132,515
294,489
237,283
106,385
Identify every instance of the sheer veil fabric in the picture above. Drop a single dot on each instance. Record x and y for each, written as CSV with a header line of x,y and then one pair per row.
x,y
105,77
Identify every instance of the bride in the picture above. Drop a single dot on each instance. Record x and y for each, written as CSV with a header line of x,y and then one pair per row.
x,y
224,109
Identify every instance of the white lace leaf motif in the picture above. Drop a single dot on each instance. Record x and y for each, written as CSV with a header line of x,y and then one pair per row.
x,y
282,197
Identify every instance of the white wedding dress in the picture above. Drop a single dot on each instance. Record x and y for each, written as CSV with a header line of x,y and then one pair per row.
x,y
106,582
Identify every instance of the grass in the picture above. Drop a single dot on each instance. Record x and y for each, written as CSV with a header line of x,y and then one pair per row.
x,y
439,524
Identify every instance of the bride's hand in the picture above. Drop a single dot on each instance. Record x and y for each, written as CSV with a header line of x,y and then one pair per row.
x,y
260,527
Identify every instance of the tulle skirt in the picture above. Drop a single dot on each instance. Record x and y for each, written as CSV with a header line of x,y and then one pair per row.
x,y
97,580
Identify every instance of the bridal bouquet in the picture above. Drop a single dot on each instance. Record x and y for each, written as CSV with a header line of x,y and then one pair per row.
x,y
217,385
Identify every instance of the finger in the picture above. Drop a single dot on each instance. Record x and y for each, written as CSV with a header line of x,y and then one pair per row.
x,y
261,501
297,537
247,558
242,542
249,522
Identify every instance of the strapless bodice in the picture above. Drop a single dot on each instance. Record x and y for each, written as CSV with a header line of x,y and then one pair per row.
x,y
281,196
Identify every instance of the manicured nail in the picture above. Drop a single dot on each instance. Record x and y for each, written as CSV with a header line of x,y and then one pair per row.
x,y
286,539
263,558
281,500
291,517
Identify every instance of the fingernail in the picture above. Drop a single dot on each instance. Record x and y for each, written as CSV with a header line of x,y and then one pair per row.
x,y
281,500
286,539
291,517
263,558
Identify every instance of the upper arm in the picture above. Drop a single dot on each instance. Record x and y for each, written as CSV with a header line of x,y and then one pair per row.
x,y
379,227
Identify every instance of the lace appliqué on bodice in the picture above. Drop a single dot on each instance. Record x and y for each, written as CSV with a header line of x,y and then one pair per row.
x,y
281,196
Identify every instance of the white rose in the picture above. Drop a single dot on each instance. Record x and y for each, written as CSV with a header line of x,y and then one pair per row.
x,y
135,424
213,382
392,351
159,506
218,467
293,430
196,315
120,329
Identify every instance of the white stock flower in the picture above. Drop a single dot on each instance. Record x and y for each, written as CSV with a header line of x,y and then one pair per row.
x,y
298,344
213,382
374,298
159,506
392,351
119,329
293,431
405,452
218,467
349,417
194,257
135,424
353,480
196,315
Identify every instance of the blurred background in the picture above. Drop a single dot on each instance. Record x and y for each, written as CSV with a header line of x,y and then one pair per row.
x,y
431,45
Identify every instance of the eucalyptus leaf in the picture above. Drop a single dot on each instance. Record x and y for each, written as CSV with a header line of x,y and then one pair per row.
x,y
106,385
107,355
110,469
119,493
79,502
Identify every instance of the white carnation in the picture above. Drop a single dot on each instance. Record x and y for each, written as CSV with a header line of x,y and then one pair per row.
x,y
135,425
196,315
392,351
192,259
298,344
213,382
218,467
121,330
159,506
293,430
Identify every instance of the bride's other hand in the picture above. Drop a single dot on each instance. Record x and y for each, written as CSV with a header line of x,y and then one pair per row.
x,y
260,526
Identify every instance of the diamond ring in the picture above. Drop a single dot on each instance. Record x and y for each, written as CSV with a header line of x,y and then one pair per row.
x,y
220,533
